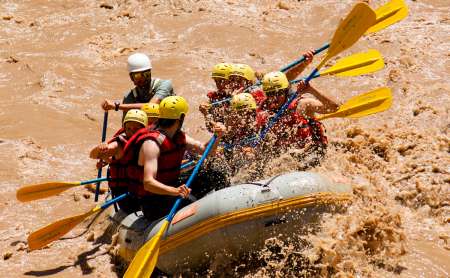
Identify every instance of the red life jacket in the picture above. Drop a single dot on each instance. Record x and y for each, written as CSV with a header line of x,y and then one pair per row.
x,y
214,96
217,112
171,154
120,169
258,95
306,128
117,170
169,161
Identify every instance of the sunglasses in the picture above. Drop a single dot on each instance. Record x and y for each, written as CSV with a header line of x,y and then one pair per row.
x,y
140,75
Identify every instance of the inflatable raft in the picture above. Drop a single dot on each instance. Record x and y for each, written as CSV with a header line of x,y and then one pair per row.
x,y
236,219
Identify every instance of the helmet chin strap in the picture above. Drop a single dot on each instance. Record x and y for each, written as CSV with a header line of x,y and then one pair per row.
x,y
181,123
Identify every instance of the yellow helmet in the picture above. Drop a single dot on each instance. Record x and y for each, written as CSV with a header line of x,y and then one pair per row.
x,y
274,81
243,100
244,71
221,70
136,115
173,107
152,110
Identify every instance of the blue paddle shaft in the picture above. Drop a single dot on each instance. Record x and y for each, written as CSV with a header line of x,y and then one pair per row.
x,y
283,108
221,101
273,120
302,59
99,174
93,181
187,164
115,200
193,175
312,75
304,78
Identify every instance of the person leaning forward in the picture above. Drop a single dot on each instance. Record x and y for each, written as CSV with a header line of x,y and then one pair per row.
x,y
112,153
157,156
147,89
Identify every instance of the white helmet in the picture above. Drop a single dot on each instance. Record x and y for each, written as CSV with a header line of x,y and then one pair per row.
x,y
139,62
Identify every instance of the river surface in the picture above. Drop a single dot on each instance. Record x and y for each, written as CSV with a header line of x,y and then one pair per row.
x,y
60,59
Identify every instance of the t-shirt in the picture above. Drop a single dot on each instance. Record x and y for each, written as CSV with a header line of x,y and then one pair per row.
x,y
158,88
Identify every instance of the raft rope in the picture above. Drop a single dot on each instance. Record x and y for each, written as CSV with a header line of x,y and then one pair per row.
x,y
267,183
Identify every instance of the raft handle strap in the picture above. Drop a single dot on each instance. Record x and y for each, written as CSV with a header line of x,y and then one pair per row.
x,y
267,183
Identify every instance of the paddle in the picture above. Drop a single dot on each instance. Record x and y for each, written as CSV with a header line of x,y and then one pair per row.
x,y
34,192
99,174
147,256
356,64
387,15
359,106
353,65
39,191
362,105
356,23
55,231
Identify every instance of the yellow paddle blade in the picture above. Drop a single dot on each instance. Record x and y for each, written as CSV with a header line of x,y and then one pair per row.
x,y
360,18
55,231
363,105
392,12
145,260
357,64
43,190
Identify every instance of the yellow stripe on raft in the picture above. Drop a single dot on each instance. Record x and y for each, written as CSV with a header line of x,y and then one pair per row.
x,y
242,215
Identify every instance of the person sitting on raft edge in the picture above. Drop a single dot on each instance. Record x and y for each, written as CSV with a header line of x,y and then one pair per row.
x,y
240,124
112,153
156,157
297,126
213,114
147,89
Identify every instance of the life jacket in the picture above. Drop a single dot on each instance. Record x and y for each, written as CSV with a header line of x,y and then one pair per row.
x,y
217,112
306,128
171,154
125,172
117,170
259,96
169,161
214,96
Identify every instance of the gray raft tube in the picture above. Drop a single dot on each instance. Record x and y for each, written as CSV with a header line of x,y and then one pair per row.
x,y
235,220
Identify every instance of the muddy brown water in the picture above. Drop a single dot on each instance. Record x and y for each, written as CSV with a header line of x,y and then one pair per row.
x,y
59,59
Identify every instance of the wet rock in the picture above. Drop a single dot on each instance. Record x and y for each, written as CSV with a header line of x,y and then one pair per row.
x,y
12,60
283,6
7,255
126,14
21,247
126,50
106,6
86,195
89,117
